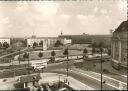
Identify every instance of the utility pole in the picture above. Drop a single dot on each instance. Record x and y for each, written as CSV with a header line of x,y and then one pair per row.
x,y
66,53
27,56
101,67
19,57
67,61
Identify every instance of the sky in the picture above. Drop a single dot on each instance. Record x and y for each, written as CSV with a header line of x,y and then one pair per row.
x,y
50,18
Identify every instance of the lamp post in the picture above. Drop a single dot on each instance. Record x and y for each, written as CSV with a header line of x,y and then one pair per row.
x,y
19,57
66,53
101,68
67,62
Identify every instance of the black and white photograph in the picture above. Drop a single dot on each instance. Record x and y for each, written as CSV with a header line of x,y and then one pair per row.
x,y
63,45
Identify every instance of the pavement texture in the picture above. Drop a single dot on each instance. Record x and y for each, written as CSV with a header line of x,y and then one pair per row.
x,y
46,78
53,77
119,84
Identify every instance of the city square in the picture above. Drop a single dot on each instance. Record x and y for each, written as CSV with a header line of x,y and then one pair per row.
x,y
54,48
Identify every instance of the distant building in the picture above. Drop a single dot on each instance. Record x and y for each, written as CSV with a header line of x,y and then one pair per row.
x,y
87,39
5,39
47,41
18,42
32,39
65,40
75,39
119,45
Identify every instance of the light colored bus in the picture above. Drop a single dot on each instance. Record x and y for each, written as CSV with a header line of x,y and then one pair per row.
x,y
39,64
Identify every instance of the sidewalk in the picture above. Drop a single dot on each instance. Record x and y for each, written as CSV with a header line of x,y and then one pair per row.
x,y
53,77
109,81
46,78
8,84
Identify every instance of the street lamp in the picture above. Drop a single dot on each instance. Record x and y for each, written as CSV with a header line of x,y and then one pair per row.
x,y
19,56
66,53
101,50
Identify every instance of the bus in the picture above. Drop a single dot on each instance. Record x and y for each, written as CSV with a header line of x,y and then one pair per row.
x,y
39,64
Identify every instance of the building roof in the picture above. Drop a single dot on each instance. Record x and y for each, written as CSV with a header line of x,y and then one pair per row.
x,y
42,38
30,78
86,36
4,38
122,27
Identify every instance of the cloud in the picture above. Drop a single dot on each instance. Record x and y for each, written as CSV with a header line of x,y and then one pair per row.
x,y
103,11
21,6
49,17
48,9
95,9
122,5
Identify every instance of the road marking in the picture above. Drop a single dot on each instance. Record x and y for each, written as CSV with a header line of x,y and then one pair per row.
x,y
70,78
109,78
95,79
124,76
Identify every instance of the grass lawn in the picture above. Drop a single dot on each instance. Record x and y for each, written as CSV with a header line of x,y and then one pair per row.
x,y
34,54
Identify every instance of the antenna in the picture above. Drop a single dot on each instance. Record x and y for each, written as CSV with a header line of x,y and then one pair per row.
x,y
61,32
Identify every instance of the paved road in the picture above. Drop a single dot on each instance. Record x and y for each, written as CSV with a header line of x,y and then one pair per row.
x,y
71,65
83,78
86,80
47,77
75,84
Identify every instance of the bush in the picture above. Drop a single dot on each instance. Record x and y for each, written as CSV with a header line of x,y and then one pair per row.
x,y
19,85
105,70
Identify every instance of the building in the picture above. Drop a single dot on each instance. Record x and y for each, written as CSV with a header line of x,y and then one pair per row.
x,y
87,39
119,46
18,42
75,39
5,39
48,42
106,39
28,80
33,39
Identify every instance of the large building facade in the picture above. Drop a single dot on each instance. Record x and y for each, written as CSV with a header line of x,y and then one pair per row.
x,y
47,41
5,39
119,46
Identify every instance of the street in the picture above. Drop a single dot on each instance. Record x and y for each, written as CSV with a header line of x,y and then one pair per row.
x,y
90,78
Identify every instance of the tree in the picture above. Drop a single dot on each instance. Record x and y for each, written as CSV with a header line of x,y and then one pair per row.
x,y
35,45
65,52
40,55
41,43
109,51
53,55
5,45
19,58
101,45
85,51
93,50
26,55
94,44
58,43
0,45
